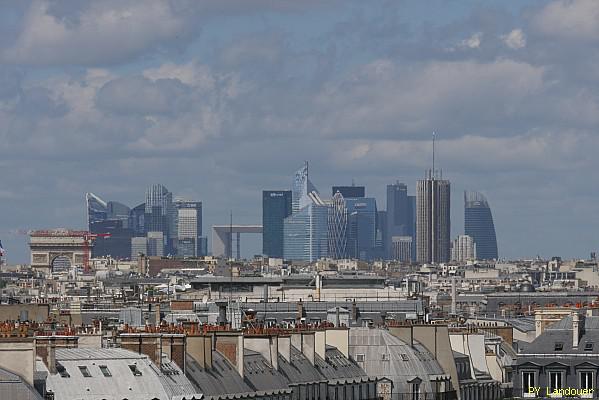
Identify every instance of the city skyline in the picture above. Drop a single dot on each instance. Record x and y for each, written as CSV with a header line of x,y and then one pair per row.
x,y
218,110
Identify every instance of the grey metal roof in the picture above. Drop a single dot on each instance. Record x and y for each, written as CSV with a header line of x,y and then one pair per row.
x,y
14,388
299,369
337,366
122,383
385,355
260,375
220,379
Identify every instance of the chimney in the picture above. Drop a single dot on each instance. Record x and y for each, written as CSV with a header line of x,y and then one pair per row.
x,y
354,311
339,338
222,312
230,345
157,317
320,344
266,345
304,342
300,310
144,343
577,327
284,343
200,349
173,345
52,357
453,297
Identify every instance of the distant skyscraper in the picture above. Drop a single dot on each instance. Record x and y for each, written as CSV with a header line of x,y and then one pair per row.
x,y
276,206
463,248
139,245
189,227
137,218
401,248
109,217
350,192
306,233
433,221
361,227
155,242
301,189
401,215
159,214
478,223
337,229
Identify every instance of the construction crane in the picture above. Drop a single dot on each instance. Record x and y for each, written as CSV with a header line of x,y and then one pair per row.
x,y
88,237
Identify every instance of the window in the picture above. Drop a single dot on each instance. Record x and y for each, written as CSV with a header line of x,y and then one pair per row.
x,y
528,381
555,380
386,357
558,346
360,357
404,357
105,371
62,371
588,346
134,370
586,380
84,371
415,391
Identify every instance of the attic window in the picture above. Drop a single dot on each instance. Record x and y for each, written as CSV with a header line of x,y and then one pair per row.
x,y
404,357
134,370
386,357
84,371
62,371
558,346
588,346
105,371
360,357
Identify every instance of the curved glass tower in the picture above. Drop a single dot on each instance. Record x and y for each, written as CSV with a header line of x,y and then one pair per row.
x,y
478,223
337,227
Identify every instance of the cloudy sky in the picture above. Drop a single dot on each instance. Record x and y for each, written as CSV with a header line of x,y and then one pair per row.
x,y
220,99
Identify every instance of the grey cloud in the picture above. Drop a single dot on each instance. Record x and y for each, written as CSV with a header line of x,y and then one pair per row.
x,y
569,20
139,95
39,101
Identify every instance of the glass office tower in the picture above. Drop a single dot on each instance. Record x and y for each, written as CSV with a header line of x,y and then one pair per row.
x,y
337,227
159,215
189,227
306,234
276,206
362,227
478,224
433,221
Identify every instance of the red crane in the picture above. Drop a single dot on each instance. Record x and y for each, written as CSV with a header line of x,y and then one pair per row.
x,y
88,237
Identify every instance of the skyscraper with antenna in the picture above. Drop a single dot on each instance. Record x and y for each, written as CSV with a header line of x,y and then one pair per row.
x,y
433,221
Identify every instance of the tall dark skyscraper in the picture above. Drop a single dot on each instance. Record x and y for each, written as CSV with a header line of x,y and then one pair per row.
x,y
433,221
160,215
276,206
478,223
350,192
109,217
361,227
401,215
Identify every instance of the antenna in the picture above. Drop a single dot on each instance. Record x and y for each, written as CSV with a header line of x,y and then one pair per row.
x,y
434,155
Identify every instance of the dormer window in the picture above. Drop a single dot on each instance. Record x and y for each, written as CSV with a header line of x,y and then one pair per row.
x,y
559,346
588,346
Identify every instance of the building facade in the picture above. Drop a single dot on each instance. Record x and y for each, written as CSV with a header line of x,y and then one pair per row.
x,y
160,214
433,220
189,228
478,223
306,234
350,192
401,215
401,247
276,206
362,228
337,228
463,248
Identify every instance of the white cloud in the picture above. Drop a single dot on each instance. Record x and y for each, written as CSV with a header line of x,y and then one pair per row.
x,y
473,42
103,33
516,39
569,19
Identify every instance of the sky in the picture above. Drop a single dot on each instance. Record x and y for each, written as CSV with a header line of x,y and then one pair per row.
x,y
221,99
